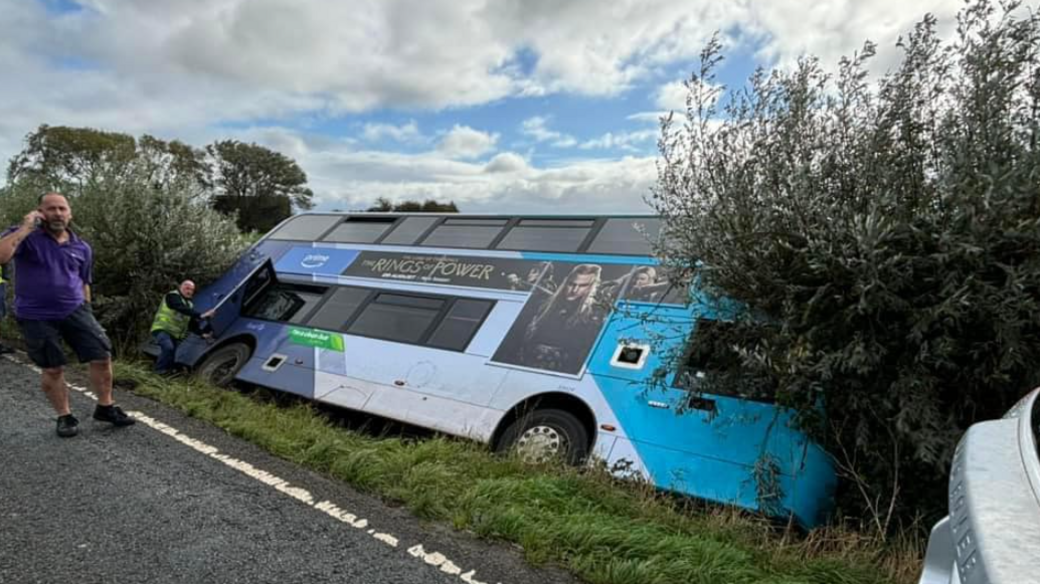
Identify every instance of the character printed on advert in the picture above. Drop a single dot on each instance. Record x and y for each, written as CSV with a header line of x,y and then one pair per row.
x,y
644,285
556,330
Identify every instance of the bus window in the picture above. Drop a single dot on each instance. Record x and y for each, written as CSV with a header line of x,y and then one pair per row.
x,y
633,236
713,365
559,235
284,303
467,233
360,230
339,308
396,317
409,231
458,327
305,227
262,279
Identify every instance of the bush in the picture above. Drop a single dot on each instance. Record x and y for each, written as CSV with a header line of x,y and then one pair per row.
x,y
889,230
147,237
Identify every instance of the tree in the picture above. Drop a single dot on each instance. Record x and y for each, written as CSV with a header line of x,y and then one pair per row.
x,y
887,231
384,205
69,159
168,162
60,155
261,185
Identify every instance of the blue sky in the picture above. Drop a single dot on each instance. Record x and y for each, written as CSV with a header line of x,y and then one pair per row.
x,y
534,106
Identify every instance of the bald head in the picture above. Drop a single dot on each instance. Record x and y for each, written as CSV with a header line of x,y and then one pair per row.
x,y
56,212
187,288
40,200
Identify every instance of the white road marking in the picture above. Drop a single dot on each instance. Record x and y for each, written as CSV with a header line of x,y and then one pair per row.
x,y
435,559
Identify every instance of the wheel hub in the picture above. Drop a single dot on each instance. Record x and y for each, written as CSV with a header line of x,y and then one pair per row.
x,y
224,370
541,444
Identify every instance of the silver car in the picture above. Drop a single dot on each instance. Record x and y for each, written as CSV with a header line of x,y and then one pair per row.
x,y
992,534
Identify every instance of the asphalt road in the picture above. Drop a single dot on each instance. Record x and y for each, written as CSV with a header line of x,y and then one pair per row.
x,y
172,499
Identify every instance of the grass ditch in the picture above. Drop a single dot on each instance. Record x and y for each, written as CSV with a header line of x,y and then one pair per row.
x,y
602,530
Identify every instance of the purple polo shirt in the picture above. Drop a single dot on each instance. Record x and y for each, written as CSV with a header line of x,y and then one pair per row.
x,y
48,276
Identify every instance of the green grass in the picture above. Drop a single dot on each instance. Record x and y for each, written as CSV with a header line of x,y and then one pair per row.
x,y
601,530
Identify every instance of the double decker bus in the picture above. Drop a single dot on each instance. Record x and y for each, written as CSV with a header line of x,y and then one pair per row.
x,y
547,335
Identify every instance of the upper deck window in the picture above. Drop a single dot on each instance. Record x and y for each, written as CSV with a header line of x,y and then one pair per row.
x,y
632,236
305,227
468,233
360,229
410,230
560,235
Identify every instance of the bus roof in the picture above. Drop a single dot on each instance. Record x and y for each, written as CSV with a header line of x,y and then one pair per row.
x,y
620,234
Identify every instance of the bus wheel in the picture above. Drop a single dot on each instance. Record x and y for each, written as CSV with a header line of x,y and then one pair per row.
x,y
544,435
220,367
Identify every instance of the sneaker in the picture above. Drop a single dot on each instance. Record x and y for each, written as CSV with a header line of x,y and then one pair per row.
x,y
68,426
113,415
6,350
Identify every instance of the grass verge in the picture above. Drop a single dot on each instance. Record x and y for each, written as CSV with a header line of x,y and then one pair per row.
x,y
601,530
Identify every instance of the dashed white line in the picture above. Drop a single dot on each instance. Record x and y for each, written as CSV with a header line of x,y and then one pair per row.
x,y
435,559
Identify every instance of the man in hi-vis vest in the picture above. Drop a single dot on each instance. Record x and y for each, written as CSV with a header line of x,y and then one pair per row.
x,y
174,318
3,305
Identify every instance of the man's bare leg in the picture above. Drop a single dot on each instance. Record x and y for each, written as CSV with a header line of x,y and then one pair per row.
x,y
57,393
101,381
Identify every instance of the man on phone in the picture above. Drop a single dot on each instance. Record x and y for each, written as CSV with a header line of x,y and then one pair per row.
x,y
52,303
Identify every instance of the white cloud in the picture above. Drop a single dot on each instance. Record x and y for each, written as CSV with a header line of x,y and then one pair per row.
x,y
429,53
465,142
537,128
405,133
654,117
672,96
622,140
345,178
830,30
191,69
506,162
155,65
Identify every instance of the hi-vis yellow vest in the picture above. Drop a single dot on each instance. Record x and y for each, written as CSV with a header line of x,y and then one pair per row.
x,y
171,321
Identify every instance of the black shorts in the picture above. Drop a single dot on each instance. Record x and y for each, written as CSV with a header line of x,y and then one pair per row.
x,y
80,330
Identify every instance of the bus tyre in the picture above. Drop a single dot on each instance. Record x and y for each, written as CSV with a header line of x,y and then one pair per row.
x,y
220,367
545,435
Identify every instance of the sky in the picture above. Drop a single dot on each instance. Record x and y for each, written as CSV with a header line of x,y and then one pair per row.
x,y
502,106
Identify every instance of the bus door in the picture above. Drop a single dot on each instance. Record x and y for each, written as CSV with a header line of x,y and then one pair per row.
x,y
226,311
230,306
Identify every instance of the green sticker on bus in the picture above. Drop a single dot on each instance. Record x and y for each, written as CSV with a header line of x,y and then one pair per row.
x,y
315,338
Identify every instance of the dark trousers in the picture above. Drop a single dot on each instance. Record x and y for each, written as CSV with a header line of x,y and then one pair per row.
x,y
167,350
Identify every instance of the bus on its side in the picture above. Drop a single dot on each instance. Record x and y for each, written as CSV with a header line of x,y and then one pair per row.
x,y
540,334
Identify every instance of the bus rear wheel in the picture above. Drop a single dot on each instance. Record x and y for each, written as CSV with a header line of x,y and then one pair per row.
x,y
220,367
546,435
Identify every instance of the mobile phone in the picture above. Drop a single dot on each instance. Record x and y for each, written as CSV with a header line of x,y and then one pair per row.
x,y
37,223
